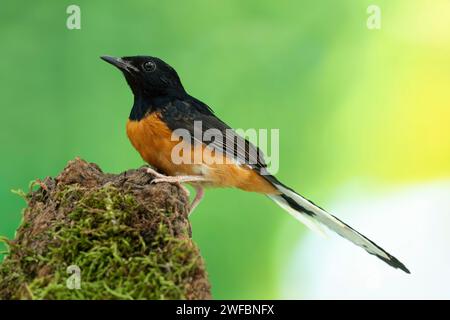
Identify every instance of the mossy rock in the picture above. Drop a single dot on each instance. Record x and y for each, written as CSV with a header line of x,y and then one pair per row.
x,y
128,238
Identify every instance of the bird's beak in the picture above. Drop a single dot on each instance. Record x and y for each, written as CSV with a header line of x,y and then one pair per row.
x,y
119,63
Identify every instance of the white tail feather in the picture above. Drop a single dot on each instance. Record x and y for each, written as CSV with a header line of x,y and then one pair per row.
x,y
303,218
313,216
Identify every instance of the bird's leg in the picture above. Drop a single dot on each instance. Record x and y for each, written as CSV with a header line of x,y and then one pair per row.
x,y
179,179
200,192
155,173
159,176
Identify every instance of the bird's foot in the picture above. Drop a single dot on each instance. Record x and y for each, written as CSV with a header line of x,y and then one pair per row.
x,y
178,180
154,173
159,177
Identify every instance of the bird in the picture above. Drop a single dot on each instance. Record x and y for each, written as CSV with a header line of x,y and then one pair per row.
x,y
162,107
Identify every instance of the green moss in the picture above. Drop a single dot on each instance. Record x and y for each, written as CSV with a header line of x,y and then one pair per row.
x,y
124,251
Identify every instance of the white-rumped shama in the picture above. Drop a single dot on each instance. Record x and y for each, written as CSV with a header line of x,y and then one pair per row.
x,y
161,105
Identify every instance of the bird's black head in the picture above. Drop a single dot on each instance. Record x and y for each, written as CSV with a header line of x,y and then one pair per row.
x,y
149,78
147,75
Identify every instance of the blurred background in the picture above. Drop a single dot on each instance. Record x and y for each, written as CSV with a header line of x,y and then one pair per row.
x,y
364,119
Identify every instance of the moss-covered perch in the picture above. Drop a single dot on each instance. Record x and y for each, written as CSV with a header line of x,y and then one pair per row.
x,y
129,238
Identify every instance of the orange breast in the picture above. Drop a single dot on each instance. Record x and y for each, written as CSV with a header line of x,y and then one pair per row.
x,y
153,140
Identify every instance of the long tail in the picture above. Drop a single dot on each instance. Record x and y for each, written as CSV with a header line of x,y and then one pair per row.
x,y
312,215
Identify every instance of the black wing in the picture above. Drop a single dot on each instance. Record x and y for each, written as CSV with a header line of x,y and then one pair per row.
x,y
191,113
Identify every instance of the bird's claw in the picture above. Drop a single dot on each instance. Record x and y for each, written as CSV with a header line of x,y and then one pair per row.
x,y
162,178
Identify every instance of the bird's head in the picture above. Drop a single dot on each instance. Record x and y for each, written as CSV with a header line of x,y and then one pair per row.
x,y
148,76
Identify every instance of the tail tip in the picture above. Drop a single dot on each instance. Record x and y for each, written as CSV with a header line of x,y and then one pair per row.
x,y
394,262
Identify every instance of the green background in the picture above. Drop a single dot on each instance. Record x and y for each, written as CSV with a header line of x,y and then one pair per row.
x,y
351,104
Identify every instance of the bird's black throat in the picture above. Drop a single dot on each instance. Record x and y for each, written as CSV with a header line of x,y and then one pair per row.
x,y
145,104
141,107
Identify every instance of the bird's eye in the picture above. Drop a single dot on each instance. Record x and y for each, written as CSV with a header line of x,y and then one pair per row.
x,y
149,66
